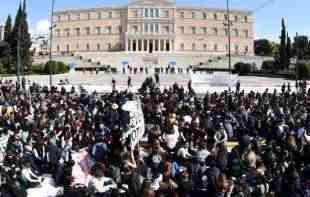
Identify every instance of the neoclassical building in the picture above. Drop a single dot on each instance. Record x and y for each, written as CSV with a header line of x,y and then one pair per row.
x,y
152,26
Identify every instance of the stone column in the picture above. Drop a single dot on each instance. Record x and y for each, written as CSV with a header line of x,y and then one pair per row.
x,y
148,45
129,45
126,45
165,45
159,45
142,45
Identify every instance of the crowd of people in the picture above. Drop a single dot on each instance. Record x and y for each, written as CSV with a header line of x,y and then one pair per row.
x,y
228,144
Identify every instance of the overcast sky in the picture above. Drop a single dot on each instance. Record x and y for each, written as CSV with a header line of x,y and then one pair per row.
x,y
267,19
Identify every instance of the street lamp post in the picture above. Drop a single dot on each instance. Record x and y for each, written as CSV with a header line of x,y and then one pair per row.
x,y
51,43
229,36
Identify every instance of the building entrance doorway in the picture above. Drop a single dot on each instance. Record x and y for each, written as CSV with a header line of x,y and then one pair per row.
x,y
151,47
134,46
167,46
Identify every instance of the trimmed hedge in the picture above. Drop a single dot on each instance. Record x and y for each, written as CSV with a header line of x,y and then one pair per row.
x,y
56,68
243,68
303,71
271,66
2,69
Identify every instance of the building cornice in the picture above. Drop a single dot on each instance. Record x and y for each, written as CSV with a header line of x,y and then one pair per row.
x,y
79,10
178,7
200,8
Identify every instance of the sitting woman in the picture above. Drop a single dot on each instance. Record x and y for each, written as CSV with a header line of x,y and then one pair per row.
x,y
29,178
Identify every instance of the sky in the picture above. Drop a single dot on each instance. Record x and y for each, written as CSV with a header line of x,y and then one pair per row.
x,y
267,18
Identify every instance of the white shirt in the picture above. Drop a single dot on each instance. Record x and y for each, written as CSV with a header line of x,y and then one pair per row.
x,y
155,184
30,176
203,154
183,152
172,139
98,184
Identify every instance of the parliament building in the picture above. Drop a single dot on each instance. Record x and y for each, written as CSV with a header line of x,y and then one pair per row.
x,y
153,26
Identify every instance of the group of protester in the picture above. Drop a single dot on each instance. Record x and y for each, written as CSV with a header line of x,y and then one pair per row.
x,y
227,144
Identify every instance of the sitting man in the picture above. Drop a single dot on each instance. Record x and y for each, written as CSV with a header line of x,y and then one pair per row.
x,y
29,178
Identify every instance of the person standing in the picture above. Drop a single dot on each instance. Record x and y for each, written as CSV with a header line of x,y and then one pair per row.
x,y
23,83
157,78
129,82
238,87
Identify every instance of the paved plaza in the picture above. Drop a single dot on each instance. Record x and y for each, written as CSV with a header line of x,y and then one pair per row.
x,y
102,82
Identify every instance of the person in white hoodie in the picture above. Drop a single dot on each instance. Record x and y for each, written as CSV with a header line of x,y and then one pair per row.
x,y
172,138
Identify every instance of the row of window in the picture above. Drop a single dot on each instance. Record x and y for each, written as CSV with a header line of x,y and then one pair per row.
x,y
152,28
99,47
205,47
214,16
215,31
88,16
194,47
154,13
87,31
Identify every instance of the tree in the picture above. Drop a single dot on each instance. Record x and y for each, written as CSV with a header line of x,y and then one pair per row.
x,y
283,54
263,47
15,35
301,46
275,50
20,33
8,29
25,40
288,52
6,54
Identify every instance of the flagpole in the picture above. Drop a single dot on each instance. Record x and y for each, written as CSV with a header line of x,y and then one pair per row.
x,y
51,44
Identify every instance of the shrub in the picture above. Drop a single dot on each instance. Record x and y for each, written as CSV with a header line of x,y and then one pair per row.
x,y
2,69
56,67
303,71
113,70
242,68
271,66
38,68
268,65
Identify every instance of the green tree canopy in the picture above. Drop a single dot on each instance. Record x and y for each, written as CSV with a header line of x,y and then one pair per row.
x,y
301,46
263,47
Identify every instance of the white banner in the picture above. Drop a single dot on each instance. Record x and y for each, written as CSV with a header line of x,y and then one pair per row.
x,y
136,127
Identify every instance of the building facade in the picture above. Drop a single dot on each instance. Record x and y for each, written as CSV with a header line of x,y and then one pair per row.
x,y
149,26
